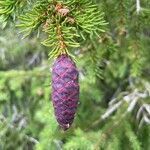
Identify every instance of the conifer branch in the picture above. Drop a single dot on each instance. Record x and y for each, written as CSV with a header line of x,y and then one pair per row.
x,y
65,22
9,9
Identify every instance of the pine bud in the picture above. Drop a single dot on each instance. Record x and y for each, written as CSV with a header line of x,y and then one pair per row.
x,y
65,90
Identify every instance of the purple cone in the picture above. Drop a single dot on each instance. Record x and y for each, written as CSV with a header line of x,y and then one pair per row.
x,y
65,90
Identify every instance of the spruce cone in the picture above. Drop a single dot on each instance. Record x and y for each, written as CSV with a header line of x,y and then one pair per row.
x,y
65,90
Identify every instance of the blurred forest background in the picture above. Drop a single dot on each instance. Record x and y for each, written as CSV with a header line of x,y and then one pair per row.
x,y
114,108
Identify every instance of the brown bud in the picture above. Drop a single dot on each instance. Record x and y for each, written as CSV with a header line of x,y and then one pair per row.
x,y
63,11
71,20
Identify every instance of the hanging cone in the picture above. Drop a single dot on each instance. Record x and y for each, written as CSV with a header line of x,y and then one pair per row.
x,y
65,90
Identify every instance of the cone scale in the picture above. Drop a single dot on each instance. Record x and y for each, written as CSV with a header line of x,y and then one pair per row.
x,y
65,90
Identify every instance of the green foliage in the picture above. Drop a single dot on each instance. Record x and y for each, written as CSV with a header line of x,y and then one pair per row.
x,y
63,21
17,53
9,9
33,19
135,144
25,94
113,113
87,140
